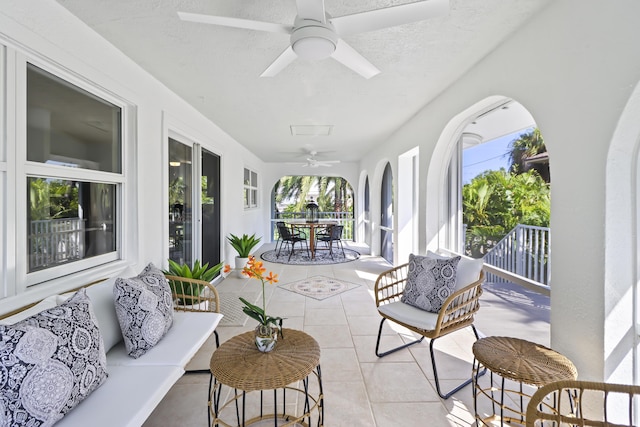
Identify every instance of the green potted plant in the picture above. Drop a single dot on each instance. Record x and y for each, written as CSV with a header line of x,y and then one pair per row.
x,y
243,245
200,272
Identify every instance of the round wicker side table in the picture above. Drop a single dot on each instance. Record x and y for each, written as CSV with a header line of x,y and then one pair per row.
x,y
285,370
520,361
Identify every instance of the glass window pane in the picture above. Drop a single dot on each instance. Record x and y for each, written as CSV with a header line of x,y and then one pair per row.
x,y
211,230
69,221
69,126
254,179
246,176
180,202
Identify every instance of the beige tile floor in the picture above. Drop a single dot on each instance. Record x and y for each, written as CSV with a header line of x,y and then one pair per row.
x,y
361,389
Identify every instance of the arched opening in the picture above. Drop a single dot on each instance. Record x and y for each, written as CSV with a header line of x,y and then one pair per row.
x,y
481,211
386,214
334,196
367,212
622,249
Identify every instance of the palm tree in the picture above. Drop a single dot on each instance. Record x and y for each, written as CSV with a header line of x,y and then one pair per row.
x,y
526,147
333,192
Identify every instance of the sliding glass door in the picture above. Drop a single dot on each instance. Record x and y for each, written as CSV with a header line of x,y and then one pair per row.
x,y
210,202
194,204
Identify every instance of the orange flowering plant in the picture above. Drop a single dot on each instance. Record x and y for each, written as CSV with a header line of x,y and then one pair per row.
x,y
255,269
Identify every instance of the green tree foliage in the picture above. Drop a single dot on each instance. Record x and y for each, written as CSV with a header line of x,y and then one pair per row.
x,y
495,202
523,149
334,192
52,199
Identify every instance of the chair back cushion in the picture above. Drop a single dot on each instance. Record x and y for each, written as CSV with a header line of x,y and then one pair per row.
x,y
468,269
430,281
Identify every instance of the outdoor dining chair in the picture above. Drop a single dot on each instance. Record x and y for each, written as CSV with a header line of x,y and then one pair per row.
x,y
331,235
456,313
290,237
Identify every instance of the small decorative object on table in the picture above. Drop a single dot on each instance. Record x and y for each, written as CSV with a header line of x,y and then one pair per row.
x,y
268,327
311,211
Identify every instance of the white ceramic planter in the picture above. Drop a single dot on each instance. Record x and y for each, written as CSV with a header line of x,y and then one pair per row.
x,y
240,263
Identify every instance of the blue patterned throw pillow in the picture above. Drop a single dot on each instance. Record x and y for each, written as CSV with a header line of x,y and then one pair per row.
x,y
49,363
430,282
144,306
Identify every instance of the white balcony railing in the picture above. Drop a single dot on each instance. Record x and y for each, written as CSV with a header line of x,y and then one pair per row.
x,y
56,241
525,252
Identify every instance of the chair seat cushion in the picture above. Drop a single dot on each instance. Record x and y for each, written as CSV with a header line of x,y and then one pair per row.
x,y
410,315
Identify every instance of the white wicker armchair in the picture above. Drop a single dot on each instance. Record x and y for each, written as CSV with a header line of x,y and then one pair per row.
x,y
457,312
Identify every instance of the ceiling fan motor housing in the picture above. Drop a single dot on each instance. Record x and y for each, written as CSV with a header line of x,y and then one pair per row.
x,y
313,40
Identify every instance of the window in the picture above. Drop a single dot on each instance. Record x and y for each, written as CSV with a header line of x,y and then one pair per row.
x,y
250,189
73,177
4,134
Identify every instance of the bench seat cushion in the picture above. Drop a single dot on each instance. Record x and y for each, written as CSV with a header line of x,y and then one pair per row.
x,y
189,332
126,399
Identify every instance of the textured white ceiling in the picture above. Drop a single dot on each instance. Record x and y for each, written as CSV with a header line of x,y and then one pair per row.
x,y
217,69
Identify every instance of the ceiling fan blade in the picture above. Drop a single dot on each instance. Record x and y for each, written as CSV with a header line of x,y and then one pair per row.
x,y
389,17
236,22
350,58
285,58
311,9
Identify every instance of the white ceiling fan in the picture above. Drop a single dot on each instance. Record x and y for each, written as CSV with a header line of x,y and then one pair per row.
x,y
313,162
316,35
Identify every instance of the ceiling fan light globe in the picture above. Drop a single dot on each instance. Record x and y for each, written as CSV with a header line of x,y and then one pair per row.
x,y
314,48
314,41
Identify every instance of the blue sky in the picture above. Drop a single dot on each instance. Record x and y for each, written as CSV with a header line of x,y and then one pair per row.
x,y
491,155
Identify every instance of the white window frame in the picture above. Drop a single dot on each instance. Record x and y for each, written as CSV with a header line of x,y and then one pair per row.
x,y
24,169
4,134
250,195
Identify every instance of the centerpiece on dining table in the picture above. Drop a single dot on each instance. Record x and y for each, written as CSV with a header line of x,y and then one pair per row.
x,y
269,327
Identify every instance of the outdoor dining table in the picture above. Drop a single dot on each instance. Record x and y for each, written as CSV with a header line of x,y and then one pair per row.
x,y
312,226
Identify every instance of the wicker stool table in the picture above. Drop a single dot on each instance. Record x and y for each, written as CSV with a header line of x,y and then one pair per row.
x,y
518,360
239,365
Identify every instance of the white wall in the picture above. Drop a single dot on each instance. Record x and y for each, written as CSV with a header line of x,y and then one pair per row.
x,y
42,28
573,67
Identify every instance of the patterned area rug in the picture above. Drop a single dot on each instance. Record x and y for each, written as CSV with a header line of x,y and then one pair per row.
x,y
319,287
231,308
300,257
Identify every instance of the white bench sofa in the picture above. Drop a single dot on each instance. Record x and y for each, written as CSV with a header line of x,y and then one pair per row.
x,y
134,387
